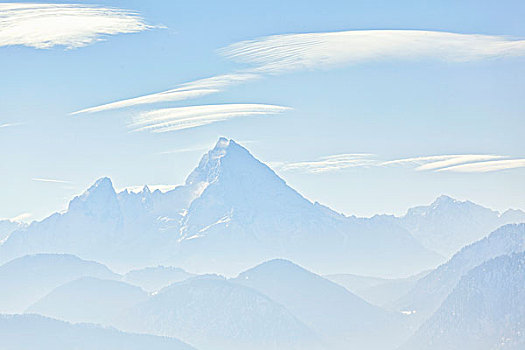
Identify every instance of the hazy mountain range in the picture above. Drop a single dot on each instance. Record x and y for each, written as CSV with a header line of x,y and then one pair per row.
x,y
447,225
236,259
29,332
27,279
275,305
378,291
327,308
211,312
431,290
155,278
234,212
486,310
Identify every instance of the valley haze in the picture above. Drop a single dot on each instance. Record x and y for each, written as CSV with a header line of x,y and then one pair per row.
x,y
299,275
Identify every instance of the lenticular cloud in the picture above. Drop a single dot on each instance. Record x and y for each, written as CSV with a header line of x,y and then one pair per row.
x,y
285,52
172,119
43,26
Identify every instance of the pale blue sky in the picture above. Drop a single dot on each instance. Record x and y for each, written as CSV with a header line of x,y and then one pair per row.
x,y
388,106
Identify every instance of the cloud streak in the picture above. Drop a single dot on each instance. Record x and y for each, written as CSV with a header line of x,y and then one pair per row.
x,y
441,161
484,167
201,148
184,91
463,163
287,52
43,26
330,163
172,119
51,180
8,125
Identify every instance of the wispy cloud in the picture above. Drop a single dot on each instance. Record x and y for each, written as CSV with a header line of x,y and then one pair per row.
x,y
441,161
185,91
483,167
8,125
43,26
470,163
201,148
171,119
280,53
286,52
330,163
51,180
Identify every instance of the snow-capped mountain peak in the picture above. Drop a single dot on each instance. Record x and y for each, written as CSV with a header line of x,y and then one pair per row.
x,y
232,213
102,185
100,200
447,224
444,199
229,159
208,168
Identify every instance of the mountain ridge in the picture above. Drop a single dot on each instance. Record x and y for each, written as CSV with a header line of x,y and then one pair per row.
x,y
233,212
484,311
431,290
26,279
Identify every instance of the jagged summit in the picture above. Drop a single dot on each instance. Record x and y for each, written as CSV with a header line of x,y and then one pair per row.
x,y
223,142
101,187
444,199
99,200
228,159
226,144
102,184
233,212
236,161
208,168
443,202
448,224
235,189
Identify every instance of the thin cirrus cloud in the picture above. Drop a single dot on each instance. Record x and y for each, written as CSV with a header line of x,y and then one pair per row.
x,y
288,52
280,53
55,181
441,161
330,163
185,91
484,167
43,26
8,125
172,119
200,148
461,163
